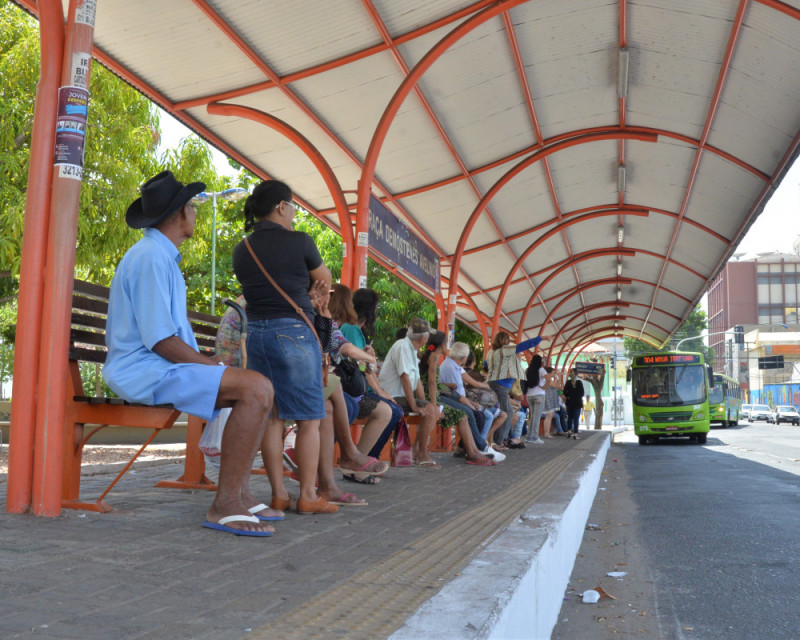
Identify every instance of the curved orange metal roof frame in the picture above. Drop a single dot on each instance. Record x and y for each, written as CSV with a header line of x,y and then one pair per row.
x,y
607,281
559,267
313,154
580,333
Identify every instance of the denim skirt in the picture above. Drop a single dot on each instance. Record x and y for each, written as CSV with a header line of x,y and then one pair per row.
x,y
287,352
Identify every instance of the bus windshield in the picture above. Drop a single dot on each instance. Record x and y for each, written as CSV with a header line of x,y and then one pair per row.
x,y
715,395
669,386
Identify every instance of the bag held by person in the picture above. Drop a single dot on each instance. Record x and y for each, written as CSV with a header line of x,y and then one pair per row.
x,y
354,383
402,455
211,440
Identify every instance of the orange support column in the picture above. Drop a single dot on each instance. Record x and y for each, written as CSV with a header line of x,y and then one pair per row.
x,y
34,243
73,105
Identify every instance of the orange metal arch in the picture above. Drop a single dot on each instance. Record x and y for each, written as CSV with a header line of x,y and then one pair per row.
x,y
582,328
621,304
313,154
565,264
539,241
621,280
580,332
410,81
607,134
576,291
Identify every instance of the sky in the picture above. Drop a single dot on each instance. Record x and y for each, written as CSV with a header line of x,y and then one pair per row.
x,y
776,228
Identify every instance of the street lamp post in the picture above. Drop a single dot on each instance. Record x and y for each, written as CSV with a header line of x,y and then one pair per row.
x,y
235,193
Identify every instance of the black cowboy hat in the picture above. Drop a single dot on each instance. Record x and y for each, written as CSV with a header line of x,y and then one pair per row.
x,y
161,196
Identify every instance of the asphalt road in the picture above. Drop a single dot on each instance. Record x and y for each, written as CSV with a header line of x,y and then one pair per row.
x,y
709,537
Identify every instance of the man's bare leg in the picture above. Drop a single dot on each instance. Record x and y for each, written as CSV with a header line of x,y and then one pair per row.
x,y
250,395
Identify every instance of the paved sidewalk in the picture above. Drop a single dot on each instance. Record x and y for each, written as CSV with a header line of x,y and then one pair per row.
x,y
149,570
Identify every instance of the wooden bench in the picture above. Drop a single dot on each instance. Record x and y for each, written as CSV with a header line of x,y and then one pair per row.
x,y
87,414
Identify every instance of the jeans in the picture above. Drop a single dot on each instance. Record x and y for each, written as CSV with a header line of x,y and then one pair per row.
x,y
517,424
471,419
573,418
501,435
397,413
285,351
556,425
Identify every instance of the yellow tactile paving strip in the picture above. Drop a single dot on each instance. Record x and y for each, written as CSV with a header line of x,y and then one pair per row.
x,y
376,602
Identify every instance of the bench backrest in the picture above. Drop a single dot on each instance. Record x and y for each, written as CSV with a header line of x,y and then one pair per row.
x,y
88,324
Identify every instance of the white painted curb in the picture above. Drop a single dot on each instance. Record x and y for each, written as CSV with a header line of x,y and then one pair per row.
x,y
514,588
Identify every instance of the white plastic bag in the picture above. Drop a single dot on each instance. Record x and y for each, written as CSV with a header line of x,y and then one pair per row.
x,y
211,440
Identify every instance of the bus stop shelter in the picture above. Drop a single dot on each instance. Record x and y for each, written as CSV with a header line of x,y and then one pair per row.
x,y
575,169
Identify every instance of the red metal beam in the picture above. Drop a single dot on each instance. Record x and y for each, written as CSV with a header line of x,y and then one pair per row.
x,y
712,110
379,136
34,247
325,170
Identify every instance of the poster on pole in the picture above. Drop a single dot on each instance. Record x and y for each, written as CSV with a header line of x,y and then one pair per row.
x,y
73,109
397,243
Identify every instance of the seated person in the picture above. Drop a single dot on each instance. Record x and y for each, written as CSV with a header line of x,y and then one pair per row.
x,y
454,412
153,356
364,305
451,373
400,376
479,391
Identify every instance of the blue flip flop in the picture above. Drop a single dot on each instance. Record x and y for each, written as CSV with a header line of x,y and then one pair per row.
x,y
261,507
220,526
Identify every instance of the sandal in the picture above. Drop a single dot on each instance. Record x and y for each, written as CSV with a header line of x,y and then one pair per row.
x,y
361,478
481,462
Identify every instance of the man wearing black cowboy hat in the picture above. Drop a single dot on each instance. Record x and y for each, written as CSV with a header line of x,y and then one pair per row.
x,y
153,356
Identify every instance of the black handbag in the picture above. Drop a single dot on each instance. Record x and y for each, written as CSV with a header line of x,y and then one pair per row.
x,y
354,383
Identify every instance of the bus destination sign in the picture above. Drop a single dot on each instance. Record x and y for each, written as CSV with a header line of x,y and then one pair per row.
x,y
667,358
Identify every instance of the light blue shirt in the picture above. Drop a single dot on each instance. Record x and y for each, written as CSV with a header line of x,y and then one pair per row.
x,y
450,372
147,304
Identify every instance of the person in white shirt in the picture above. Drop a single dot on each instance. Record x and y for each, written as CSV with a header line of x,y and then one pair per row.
x,y
536,377
400,377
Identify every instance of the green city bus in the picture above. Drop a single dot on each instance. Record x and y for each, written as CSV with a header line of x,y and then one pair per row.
x,y
724,401
670,396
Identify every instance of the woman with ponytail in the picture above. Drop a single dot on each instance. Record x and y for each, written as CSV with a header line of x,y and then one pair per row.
x,y
280,344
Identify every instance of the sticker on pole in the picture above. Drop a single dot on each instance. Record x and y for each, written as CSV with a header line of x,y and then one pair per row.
x,y
73,109
363,239
85,12
80,70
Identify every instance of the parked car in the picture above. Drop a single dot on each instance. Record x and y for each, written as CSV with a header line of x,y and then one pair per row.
x,y
744,412
785,413
760,412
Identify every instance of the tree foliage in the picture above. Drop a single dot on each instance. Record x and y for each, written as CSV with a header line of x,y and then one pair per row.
x,y
695,325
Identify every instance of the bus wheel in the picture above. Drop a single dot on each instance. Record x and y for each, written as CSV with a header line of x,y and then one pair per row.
x,y
701,438
644,439
725,424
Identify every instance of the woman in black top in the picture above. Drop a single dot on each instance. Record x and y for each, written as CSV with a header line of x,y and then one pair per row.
x,y
280,344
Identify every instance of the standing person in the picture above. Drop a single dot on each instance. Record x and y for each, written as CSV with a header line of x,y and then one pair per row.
x,y
573,398
280,344
400,377
536,377
153,356
588,407
504,368
551,403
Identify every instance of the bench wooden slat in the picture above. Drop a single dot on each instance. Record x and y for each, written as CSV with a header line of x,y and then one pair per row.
x,y
89,304
86,320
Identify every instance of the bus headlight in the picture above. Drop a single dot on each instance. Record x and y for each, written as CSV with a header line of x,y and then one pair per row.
x,y
644,418
697,415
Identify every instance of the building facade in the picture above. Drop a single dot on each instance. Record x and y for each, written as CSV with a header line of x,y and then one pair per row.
x,y
761,295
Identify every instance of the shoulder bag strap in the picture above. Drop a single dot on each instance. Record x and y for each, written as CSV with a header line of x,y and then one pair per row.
x,y
295,306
